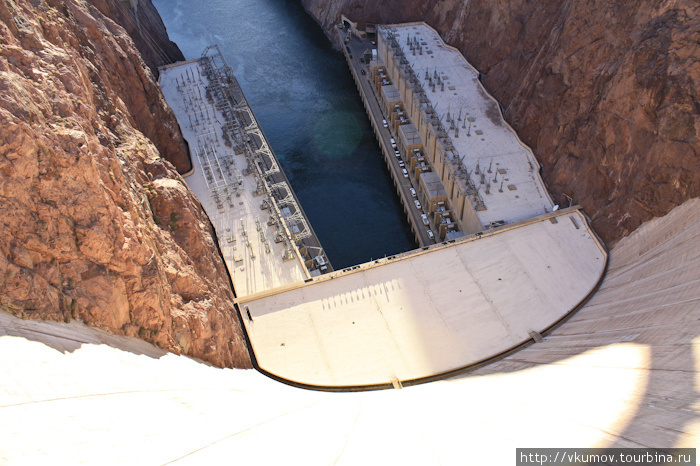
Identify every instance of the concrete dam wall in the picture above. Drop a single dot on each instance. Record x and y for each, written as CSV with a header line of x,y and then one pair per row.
x,y
622,372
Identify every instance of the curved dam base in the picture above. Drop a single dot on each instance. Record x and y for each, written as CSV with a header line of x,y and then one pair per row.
x,y
423,314
624,371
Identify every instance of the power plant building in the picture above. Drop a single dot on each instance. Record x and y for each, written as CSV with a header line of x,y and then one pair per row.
x,y
443,115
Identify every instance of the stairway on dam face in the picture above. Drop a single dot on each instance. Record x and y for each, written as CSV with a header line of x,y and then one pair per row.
x,y
622,372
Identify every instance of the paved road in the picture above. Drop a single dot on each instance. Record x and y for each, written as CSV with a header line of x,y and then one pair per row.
x,y
356,48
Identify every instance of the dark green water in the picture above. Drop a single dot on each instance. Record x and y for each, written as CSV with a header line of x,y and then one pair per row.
x,y
306,102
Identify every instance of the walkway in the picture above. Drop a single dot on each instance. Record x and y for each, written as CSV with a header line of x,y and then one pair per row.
x,y
384,136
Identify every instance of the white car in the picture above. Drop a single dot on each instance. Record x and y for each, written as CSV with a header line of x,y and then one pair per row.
x,y
424,218
393,143
401,164
405,173
417,203
397,154
385,124
431,235
413,192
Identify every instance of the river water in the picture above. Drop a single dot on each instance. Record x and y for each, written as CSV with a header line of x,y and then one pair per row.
x,y
306,102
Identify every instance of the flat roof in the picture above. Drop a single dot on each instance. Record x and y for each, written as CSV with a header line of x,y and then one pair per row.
x,y
410,134
432,183
480,134
241,226
428,312
390,93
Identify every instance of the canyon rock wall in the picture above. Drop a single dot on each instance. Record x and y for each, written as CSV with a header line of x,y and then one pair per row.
x,y
141,21
154,119
96,223
606,94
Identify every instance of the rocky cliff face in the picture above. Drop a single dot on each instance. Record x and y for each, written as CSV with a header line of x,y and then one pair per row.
x,y
606,94
96,223
141,21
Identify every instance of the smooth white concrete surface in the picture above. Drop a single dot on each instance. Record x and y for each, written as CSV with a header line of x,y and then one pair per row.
x,y
623,372
100,405
427,313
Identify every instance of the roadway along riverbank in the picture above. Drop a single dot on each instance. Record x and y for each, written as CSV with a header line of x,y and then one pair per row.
x,y
353,51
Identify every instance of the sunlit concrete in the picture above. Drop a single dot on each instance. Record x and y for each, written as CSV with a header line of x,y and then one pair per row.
x,y
97,404
623,372
427,313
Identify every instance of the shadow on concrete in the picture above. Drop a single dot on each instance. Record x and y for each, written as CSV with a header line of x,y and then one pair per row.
x,y
69,337
649,298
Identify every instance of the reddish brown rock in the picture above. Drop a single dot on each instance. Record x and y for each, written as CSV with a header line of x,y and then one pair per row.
x,y
606,94
147,106
95,224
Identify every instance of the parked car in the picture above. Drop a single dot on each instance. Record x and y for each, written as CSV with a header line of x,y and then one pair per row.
x,y
396,153
363,72
431,235
393,143
384,123
417,203
425,219
413,192
405,173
